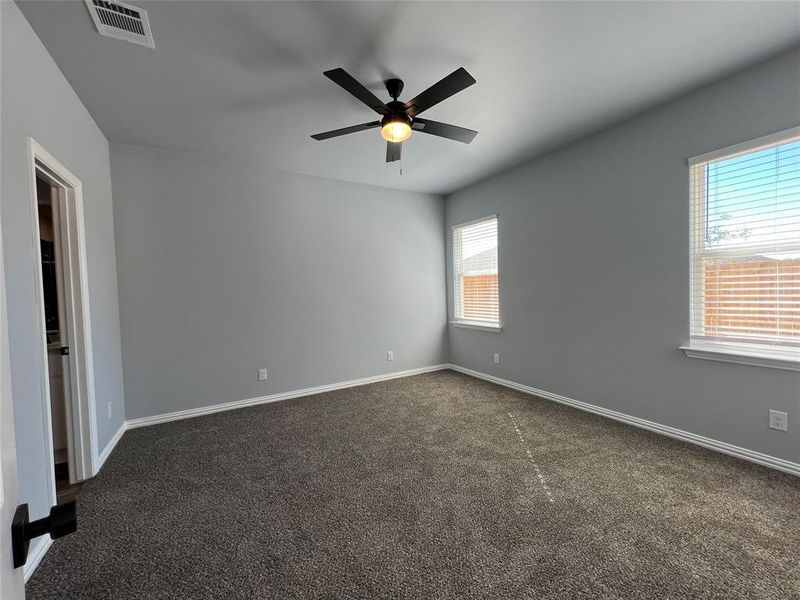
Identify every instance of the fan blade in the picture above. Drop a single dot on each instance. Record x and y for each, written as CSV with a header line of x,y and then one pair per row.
x,y
345,130
451,132
393,150
350,84
449,86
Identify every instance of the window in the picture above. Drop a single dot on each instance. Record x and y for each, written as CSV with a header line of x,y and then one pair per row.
x,y
745,272
476,297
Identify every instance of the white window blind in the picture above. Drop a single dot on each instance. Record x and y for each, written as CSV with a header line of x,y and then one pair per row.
x,y
475,272
745,279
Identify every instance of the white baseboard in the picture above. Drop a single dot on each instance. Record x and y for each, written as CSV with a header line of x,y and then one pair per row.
x,y
686,436
112,443
215,408
38,549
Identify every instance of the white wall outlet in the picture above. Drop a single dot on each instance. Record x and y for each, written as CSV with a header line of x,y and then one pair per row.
x,y
496,358
390,355
778,420
262,374
110,408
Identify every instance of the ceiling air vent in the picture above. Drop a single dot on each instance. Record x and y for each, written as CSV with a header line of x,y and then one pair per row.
x,y
121,21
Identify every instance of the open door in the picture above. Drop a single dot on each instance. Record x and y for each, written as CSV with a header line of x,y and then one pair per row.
x,y
11,579
52,205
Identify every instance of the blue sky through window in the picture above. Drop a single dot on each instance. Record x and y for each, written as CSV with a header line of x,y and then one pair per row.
x,y
754,200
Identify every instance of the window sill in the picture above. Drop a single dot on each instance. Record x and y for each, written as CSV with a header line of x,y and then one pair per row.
x,y
744,354
477,325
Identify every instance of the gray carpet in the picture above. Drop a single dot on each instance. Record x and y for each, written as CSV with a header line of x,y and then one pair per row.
x,y
435,486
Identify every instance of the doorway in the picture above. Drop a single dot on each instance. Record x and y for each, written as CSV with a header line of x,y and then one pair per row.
x,y
62,297
53,296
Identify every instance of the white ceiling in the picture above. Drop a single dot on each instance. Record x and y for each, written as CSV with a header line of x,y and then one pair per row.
x,y
245,78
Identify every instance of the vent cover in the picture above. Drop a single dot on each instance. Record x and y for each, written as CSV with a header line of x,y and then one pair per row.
x,y
121,21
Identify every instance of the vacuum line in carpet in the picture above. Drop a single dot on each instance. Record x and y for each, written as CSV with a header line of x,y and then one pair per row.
x,y
522,441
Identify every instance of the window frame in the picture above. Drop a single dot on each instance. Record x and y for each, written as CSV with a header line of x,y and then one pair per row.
x,y
777,355
491,326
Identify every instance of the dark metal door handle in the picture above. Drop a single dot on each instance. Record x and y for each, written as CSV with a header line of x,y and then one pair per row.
x,y
62,521
64,350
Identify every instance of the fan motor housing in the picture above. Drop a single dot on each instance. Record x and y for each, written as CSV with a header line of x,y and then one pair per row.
x,y
396,116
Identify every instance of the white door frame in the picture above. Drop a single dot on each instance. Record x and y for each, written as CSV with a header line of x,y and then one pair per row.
x,y
82,417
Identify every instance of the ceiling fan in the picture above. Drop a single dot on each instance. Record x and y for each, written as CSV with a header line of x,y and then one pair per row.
x,y
400,119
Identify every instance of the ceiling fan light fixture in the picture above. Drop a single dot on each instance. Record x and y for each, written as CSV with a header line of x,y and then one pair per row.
x,y
396,131
397,116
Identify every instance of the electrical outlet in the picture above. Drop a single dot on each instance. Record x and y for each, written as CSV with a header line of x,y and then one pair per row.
x,y
262,374
496,358
110,409
778,420
390,355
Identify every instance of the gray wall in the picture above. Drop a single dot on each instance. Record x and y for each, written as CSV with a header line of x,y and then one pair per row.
x,y
11,584
37,101
594,268
225,268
